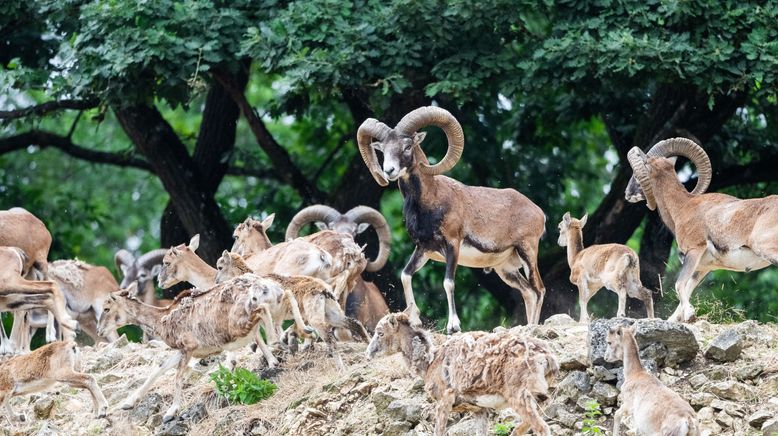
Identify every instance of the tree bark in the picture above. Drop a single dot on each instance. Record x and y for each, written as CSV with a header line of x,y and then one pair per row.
x,y
215,143
165,152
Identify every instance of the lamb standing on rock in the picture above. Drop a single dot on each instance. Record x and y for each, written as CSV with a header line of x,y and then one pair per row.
x,y
37,371
477,369
613,266
655,408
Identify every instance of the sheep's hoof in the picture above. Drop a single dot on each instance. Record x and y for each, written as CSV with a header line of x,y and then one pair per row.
x,y
102,412
127,405
21,418
167,418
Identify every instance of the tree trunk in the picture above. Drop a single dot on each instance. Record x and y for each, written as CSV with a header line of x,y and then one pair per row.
x,y
215,143
193,202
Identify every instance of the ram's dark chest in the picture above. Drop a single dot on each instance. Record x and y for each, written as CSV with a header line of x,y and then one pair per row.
x,y
423,221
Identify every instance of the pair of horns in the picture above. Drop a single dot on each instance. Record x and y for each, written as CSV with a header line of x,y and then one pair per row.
x,y
422,117
357,215
667,148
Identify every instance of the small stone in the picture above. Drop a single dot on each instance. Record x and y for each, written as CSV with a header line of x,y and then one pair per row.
x,y
731,390
724,420
759,417
405,410
381,400
770,427
176,427
582,401
397,428
43,407
560,319
573,362
706,414
749,372
669,371
667,379
605,394
566,418
697,380
601,373
121,342
726,347
194,413
575,384
701,399
731,408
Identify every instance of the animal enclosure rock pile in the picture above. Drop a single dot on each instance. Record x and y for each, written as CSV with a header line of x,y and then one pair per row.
x,y
378,397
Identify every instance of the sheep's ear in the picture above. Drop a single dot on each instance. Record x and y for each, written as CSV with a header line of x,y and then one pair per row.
x,y
268,221
225,253
566,218
321,225
194,243
132,291
419,136
377,146
583,220
155,270
362,227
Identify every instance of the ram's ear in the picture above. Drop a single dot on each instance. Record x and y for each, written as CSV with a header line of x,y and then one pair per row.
x,y
419,137
362,227
132,291
321,225
155,270
583,220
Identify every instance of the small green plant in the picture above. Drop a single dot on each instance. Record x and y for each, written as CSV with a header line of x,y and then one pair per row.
x,y
242,386
501,429
592,413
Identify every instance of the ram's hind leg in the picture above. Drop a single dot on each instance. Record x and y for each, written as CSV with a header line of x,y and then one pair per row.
x,y
527,408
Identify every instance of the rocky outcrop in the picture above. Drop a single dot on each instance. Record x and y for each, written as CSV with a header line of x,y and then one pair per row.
x,y
661,343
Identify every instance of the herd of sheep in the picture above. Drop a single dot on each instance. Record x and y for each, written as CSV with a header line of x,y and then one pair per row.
x,y
315,281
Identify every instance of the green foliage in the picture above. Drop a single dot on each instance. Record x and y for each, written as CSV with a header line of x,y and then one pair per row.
x,y
592,415
503,429
242,386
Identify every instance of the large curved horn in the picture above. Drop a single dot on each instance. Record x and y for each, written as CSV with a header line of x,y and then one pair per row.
x,y
365,214
317,212
637,160
123,257
153,257
690,150
372,128
435,116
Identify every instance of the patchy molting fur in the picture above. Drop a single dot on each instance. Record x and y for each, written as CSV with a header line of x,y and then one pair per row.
x,y
473,370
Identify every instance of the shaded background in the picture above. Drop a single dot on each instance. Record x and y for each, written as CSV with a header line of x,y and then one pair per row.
x,y
135,124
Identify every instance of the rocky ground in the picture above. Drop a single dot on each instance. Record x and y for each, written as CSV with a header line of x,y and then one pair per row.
x,y
729,373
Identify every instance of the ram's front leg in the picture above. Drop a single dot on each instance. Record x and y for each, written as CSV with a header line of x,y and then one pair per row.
x,y
416,262
452,256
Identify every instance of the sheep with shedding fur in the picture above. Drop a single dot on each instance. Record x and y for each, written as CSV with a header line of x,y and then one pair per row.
x,y
42,368
614,266
655,408
475,370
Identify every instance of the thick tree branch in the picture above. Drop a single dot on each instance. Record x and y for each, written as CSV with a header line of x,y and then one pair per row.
x,y
45,139
277,154
49,106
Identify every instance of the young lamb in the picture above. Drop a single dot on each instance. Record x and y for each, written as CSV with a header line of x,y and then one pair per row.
x,y
39,370
614,266
482,370
655,408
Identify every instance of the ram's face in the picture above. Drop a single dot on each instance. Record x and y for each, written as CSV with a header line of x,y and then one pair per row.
x,y
399,153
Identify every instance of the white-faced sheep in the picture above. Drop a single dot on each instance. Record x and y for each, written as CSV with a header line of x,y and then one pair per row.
x,y
451,222
655,408
614,266
473,370
713,231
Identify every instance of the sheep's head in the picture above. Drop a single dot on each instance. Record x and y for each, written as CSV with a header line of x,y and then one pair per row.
x,y
351,223
141,270
543,368
174,266
252,230
401,146
661,160
114,314
230,265
614,340
568,224
262,292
